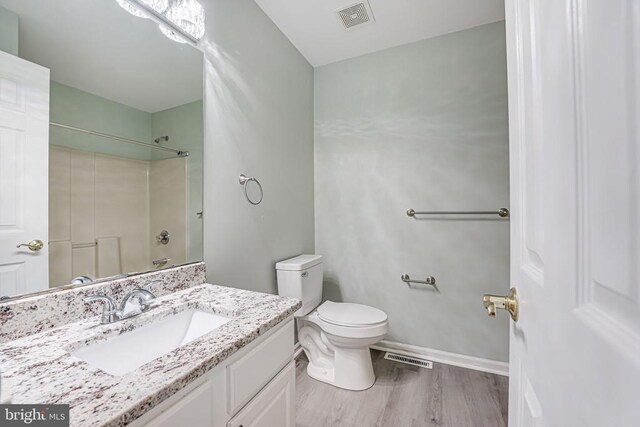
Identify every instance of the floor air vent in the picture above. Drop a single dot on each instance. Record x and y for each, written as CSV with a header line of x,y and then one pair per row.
x,y
356,15
423,363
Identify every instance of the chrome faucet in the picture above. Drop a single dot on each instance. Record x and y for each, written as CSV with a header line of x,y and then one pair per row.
x,y
139,298
109,310
135,302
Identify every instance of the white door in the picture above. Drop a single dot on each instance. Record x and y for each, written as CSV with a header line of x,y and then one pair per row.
x,y
24,175
574,107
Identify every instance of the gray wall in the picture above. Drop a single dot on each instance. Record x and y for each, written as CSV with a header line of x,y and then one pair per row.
x,y
9,24
258,121
420,126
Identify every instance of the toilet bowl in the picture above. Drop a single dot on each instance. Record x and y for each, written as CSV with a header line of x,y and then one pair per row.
x,y
334,336
337,349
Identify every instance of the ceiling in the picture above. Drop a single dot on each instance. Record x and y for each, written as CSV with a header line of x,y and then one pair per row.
x,y
312,25
97,47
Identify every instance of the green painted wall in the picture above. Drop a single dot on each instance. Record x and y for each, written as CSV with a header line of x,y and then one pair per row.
x,y
183,125
423,126
74,107
9,24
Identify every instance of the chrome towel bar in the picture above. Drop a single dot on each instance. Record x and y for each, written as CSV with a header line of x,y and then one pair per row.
x,y
429,281
502,212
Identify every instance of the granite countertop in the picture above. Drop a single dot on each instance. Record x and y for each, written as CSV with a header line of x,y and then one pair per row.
x,y
39,369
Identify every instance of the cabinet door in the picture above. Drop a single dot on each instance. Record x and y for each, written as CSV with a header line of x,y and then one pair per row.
x,y
248,375
193,410
273,406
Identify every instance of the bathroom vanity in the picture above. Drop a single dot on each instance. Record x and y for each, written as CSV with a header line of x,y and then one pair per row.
x,y
255,387
205,355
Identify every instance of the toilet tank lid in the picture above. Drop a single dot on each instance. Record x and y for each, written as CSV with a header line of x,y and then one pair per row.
x,y
301,262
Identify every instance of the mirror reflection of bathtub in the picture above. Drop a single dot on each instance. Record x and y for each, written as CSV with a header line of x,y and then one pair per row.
x,y
125,141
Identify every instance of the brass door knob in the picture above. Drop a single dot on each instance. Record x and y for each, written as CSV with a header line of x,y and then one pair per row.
x,y
34,245
508,302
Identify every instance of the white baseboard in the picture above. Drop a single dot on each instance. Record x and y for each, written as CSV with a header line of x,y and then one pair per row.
x,y
469,362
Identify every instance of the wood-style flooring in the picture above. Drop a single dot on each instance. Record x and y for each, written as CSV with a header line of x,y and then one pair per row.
x,y
405,395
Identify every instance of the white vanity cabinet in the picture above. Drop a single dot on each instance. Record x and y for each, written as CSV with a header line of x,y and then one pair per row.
x,y
255,387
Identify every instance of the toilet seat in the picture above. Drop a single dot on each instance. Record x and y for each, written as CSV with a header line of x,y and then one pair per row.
x,y
339,320
350,315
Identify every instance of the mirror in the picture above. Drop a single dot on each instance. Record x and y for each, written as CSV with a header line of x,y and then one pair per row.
x,y
125,140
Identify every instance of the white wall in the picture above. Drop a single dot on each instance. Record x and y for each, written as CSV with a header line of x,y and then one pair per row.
x,y
258,121
420,126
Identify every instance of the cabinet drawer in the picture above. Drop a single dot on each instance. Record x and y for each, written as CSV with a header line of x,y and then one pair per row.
x,y
273,406
253,371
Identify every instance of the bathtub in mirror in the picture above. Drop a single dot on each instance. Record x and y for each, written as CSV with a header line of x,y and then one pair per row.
x,y
125,146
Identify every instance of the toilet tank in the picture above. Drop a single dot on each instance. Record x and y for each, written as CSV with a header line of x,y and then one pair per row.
x,y
301,277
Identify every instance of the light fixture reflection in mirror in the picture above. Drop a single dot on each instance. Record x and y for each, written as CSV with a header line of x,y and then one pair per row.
x,y
178,18
171,34
188,15
159,6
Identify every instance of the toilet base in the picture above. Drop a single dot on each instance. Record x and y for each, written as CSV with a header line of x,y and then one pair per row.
x,y
352,369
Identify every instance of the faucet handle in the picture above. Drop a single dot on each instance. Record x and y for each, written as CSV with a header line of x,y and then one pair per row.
x,y
109,309
142,297
147,286
145,297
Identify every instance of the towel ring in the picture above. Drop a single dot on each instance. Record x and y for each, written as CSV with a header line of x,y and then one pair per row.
x,y
244,181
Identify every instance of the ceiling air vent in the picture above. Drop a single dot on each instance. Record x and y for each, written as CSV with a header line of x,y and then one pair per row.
x,y
356,16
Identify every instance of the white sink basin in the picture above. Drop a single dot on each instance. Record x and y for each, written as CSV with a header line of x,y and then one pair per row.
x,y
124,353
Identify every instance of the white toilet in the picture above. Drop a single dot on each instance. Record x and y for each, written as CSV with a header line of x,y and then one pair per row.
x,y
335,336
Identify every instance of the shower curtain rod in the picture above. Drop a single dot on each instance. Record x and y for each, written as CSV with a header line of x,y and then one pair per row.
x,y
178,153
